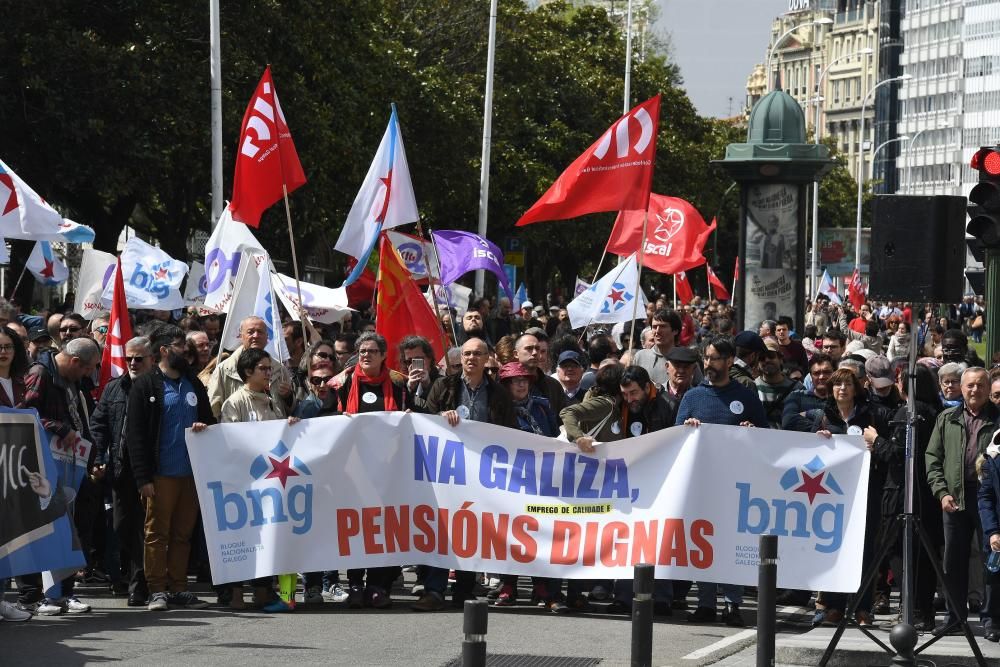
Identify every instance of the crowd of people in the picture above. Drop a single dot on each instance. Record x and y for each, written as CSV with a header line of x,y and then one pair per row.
x,y
530,370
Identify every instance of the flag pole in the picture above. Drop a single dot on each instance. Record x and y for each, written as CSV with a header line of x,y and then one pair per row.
x,y
295,259
13,292
484,167
621,268
430,283
736,272
638,278
675,291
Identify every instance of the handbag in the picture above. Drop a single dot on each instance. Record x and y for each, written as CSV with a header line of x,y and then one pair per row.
x,y
977,323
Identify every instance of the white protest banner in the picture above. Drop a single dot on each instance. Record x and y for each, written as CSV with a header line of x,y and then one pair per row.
x,y
152,278
483,497
223,253
194,288
95,274
323,304
450,296
611,299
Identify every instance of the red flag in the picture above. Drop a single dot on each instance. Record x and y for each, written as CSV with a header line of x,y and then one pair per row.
x,y
113,363
267,157
720,291
675,235
362,290
614,174
736,270
856,292
683,287
402,310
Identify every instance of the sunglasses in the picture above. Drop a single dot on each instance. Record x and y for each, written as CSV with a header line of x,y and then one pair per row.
x,y
317,380
135,360
101,329
323,355
70,329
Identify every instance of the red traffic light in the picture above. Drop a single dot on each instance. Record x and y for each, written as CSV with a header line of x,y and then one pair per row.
x,y
987,160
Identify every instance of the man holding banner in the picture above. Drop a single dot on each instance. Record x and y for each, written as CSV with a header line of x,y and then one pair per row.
x,y
471,396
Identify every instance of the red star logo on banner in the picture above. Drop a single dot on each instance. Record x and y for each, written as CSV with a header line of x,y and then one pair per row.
x,y
48,270
12,199
812,486
161,273
616,295
281,470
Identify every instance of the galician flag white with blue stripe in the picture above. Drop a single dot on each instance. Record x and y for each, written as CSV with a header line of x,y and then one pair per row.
x,y
23,214
386,200
827,287
520,296
45,266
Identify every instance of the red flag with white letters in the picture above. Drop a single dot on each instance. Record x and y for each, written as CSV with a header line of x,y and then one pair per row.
x,y
266,157
614,174
113,362
675,235
856,292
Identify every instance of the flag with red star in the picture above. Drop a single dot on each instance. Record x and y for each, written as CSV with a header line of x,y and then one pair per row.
x,y
266,160
385,200
280,464
113,362
812,479
616,297
24,214
152,278
45,266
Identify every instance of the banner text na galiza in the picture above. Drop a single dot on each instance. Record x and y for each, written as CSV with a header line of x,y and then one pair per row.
x,y
394,488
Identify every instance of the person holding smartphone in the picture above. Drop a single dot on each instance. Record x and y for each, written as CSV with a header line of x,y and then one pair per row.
x,y
416,359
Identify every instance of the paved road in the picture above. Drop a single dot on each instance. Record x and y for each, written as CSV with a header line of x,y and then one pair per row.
x,y
334,635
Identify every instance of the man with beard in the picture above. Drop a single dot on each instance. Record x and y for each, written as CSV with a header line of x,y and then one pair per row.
x,y
648,411
720,401
161,405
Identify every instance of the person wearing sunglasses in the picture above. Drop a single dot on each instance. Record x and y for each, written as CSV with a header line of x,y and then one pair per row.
x,y
318,355
99,329
107,425
72,326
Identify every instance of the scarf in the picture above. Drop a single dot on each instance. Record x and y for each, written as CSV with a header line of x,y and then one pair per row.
x,y
950,403
523,410
360,378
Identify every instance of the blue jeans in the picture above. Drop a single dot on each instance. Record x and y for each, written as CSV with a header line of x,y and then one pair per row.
x,y
707,591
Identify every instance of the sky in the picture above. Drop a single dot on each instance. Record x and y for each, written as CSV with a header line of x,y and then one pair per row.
x,y
716,43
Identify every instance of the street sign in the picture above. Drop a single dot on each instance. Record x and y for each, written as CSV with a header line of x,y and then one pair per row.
x,y
515,258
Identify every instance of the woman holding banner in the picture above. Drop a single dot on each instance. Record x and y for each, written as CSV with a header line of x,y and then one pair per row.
x,y
252,403
850,412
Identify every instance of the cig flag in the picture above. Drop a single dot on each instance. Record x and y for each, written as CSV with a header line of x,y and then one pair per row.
x,y
45,266
614,174
450,296
611,299
152,278
461,252
675,235
385,200
266,158
827,288
96,268
113,362
23,214
323,304
254,297
856,292
416,253
223,253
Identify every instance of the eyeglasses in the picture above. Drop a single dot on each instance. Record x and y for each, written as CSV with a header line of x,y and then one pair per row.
x,y
101,329
70,329
6,348
316,380
325,355
368,350
136,359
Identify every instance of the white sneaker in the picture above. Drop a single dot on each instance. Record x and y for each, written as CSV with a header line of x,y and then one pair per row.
x,y
337,594
51,607
157,602
9,612
74,606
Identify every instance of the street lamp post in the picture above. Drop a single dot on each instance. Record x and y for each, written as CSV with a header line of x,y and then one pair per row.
x,y
826,20
814,267
861,163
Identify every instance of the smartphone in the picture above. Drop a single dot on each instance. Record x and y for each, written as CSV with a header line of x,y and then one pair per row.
x,y
417,364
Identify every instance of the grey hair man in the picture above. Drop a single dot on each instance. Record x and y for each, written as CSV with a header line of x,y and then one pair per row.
x,y
225,380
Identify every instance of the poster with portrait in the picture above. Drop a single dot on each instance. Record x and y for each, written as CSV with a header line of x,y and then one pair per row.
x,y
772,251
36,533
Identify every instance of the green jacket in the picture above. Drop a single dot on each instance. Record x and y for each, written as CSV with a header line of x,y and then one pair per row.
x,y
945,455
580,418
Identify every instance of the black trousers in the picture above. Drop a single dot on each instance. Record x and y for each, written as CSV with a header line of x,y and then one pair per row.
x,y
129,518
959,529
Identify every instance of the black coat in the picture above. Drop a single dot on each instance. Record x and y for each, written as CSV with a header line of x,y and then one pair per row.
x,y
107,426
446,394
145,411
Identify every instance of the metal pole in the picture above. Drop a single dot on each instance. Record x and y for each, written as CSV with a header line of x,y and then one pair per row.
x,y
474,624
814,265
484,168
215,59
628,59
642,615
767,582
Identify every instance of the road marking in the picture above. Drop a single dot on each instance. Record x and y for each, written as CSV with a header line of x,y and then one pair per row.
x,y
719,645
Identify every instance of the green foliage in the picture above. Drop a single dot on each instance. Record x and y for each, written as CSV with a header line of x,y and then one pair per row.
x,y
107,113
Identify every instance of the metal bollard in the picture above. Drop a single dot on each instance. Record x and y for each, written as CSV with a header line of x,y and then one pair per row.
x,y
767,582
642,616
474,627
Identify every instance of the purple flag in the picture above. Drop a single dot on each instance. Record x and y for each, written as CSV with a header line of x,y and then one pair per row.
x,y
461,252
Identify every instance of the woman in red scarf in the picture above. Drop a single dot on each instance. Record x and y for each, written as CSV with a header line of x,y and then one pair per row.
x,y
371,387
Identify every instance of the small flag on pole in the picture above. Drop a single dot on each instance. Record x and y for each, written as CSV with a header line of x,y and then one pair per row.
x,y
113,362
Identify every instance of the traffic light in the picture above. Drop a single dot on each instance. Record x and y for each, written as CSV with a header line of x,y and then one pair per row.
x,y
984,200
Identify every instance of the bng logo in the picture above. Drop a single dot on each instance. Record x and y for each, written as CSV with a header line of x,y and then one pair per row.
x,y
291,502
797,514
